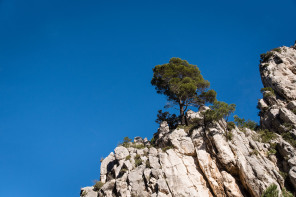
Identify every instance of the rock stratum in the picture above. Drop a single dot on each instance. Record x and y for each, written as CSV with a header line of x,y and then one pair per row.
x,y
201,162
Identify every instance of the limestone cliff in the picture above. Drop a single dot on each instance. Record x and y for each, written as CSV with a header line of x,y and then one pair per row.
x,y
195,161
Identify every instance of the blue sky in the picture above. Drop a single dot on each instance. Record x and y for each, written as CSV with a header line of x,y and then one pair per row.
x,y
75,76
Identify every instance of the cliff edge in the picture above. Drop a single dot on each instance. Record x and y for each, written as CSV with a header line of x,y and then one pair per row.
x,y
199,161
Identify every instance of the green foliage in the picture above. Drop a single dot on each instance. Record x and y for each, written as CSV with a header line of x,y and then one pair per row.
x,y
152,141
265,56
289,138
272,149
98,186
138,146
277,50
222,110
267,92
242,123
123,170
128,157
138,160
283,174
271,191
230,126
286,193
254,152
171,119
126,142
84,193
182,84
266,135
164,149
148,164
229,135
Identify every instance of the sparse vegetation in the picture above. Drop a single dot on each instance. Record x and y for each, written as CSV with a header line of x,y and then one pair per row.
x,y
126,142
242,123
267,92
254,152
277,50
84,193
286,193
164,149
266,136
289,138
271,191
230,125
265,56
102,159
128,157
148,164
98,185
272,149
171,119
138,160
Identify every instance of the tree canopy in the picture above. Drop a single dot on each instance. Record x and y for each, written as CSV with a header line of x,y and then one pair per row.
x,y
182,84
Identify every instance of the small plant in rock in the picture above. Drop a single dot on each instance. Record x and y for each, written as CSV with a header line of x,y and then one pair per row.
x,y
84,193
138,160
123,170
283,174
267,92
126,142
128,157
266,135
254,152
265,56
272,149
277,50
242,123
102,159
164,149
271,191
286,193
98,185
289,138
138,146
148,164
230,126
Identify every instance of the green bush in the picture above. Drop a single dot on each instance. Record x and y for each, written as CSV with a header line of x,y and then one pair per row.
x,y
148,164
128,157
137,146
266,135
289,138
277,50
83,194
230,126
138,160
242,123
286,193
164,149
265,56
126,142
267,92
271,191
98,186
254,152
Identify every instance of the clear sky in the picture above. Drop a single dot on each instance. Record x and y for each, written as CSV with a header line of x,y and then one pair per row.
x,y
75,76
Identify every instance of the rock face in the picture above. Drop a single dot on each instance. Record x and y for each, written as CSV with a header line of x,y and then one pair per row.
x,y
278,106
199,162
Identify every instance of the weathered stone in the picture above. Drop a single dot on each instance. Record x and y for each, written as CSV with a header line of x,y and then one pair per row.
x,y
121,152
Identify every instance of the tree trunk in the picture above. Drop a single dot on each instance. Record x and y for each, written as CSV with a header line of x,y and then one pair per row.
x,y
182,116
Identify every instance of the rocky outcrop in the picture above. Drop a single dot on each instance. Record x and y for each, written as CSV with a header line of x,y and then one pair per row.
x,y
278,105
199,161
